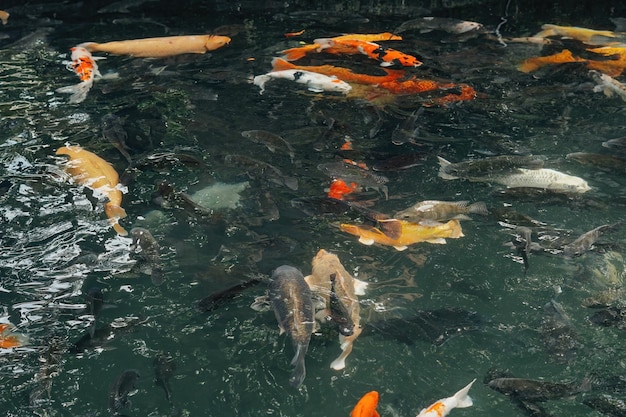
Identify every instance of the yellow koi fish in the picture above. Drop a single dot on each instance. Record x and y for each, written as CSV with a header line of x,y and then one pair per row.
x,y
160,47
97,174
400,233
590,36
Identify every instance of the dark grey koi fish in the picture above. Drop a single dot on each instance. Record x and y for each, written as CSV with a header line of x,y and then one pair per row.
x,y
213,301
146,247
338,312
586,240
125,385
290,297
164,368
113,131
537,390
272,141
262,170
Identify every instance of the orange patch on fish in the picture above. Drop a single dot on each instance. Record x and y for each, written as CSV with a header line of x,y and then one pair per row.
x,y
97,174
532,64
437,407
366,407
8,339
293,54
339,188
292,34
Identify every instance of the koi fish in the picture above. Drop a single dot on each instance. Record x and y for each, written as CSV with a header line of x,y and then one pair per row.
x,y
401,233
532,64
160,47
443,407
344,74
314,81
366,407
10,339
97,174
614,66
84,65
386,56
429,23
590,36
4,17
293,54
347,288
441,210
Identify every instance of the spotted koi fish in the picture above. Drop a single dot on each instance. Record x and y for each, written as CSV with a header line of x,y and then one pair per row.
x,y
85,67
443,407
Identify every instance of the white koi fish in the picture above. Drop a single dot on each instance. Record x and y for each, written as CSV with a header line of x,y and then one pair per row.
x,y
443,407
314,81
84,65
608,85
548,179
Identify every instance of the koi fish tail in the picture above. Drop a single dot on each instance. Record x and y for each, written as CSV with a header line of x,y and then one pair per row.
x,y
478,208
299,373
462,399
14,340
260,81
454,229
443,164
279,64
78,91
114,213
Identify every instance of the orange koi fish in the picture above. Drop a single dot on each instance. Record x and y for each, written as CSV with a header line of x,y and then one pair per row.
x,y
532,64
414,85
9,339
343,74
366,407
443,407
97,174
160,47
386,56
401,233
84,65
294,54
339,188
572,32
611,67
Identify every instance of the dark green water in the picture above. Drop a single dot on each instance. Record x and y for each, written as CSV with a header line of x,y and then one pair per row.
x,y
56,243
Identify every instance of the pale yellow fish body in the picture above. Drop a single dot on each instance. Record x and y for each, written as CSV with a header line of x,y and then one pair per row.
x,y
347,289
160,47
401,233
97,174
573,32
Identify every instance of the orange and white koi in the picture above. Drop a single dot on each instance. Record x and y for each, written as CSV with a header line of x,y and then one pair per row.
x,y
443,407
314,81
294,54
401,233
279,64
10,339
386,56
366,407
160,47
84,65
97,174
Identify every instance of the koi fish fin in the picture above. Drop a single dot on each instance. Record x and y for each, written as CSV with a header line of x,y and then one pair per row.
x,y
324,43
359,287
316,89
279,64
78,91
291,183
443,164
400,248
261,303
437,241
386,64
299,373
366,241
114,213
464,400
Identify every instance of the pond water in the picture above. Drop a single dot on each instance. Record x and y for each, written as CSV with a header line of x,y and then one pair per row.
x,y
435,316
